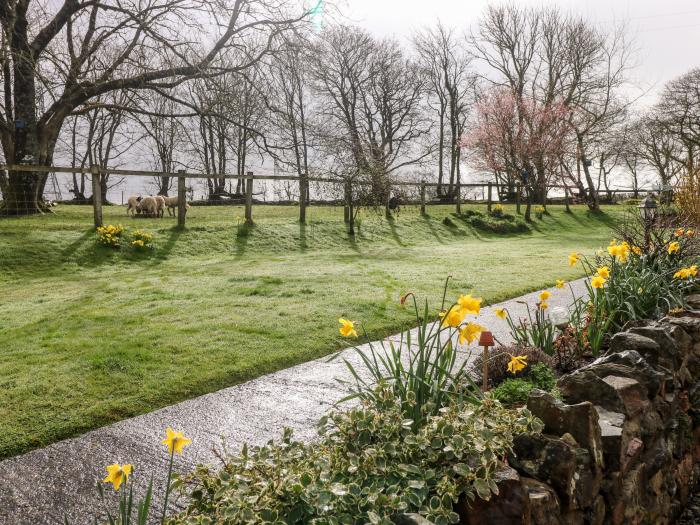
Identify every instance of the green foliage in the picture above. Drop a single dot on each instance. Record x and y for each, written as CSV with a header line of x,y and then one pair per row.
x,y
497,211
423,373
129,510
536,331
515,391
503,224
367,466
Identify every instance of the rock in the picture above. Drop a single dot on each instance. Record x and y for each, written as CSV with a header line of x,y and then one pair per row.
x,y
596,513
612,392
623,341
611,437
632,454
693,301
579,420
656,457
631,393
569,470
510,506
544,503
691,325
667,354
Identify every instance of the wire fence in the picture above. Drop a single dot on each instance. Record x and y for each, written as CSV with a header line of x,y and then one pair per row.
x,y
420,193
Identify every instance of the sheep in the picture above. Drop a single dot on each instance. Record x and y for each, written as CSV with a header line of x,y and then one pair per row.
x,y
132,205
171,203
148,206
160,200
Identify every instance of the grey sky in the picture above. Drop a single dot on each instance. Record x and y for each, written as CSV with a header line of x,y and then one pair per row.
x,y
666,32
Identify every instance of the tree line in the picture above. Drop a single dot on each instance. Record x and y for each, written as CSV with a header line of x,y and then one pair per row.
x,y
530,97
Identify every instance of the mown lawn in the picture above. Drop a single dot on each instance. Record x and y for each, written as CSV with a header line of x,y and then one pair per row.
x,y
90,336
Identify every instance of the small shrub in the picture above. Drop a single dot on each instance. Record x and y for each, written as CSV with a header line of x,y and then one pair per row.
x,y
110,236
497,210
540,211
505,225
542,376
515,391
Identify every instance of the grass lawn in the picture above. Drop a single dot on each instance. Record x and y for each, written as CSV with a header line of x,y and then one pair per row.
x,y
90,335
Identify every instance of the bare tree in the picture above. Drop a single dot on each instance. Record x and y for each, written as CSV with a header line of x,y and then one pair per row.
x,y
446,66
67,56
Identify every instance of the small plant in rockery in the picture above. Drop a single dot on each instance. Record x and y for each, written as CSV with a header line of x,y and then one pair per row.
x,y
142,241
425,370
110,236
537,330
497,210
540,211
500,357
515,389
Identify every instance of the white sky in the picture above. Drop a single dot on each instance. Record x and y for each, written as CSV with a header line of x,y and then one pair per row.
x,y
666,32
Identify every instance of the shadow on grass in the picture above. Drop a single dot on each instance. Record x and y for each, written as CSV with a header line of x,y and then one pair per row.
x,y
429,222
243,231
303,245
394,233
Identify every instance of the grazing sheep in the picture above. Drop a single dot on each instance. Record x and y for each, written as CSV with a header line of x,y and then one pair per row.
x,y
160,200
148,206
132,205
171,203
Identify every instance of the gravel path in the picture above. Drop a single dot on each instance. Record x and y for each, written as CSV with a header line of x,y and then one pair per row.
x,y
42,486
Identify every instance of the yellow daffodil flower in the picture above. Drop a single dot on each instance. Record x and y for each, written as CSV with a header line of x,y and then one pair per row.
x,y
501,313
544,295
604,272
469,304
470,332
637,250
453,317
680,232
598,282
560,283
673,247
683,273
175,441
573,258
693,270
543,305
690,233
347,328
117,474
517,363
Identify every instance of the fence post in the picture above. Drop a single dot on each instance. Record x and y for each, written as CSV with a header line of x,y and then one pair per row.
x,y
422,197
302,198
96,195
490,197
517,198
387,209
458,198
566,199
249,198
181,199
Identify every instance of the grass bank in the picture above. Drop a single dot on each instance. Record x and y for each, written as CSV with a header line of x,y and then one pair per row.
x,y
90,336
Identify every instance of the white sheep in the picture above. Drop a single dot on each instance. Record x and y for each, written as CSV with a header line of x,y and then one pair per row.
x,y
148,206
132,205
160,201
171,203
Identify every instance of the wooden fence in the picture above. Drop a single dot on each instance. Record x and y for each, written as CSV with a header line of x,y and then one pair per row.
x,y
249,178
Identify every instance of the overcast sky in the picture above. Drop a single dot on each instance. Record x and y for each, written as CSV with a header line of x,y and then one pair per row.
x,y
666,32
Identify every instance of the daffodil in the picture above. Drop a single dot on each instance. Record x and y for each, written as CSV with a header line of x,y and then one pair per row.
x,y
680,232
469,304
573,258
347,328
175,441
117,474
683,273
543,305
637,250
674,247
604,272
598,282
501,313
470,332
453,317
544,295
517,363
690,233
560,283
693,270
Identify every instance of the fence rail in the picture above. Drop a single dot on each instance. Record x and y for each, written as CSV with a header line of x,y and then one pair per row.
x,y
181,175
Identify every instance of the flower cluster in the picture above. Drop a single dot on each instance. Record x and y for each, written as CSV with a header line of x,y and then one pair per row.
x,y
454,318
686,273
110,235
141,240
621,251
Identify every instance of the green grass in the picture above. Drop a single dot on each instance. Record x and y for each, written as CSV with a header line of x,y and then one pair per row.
x,y
91,336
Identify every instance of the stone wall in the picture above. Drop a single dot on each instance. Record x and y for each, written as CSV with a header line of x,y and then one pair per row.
x,y
624,445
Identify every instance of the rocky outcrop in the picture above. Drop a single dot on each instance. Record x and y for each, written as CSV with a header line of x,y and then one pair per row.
x,y
621,446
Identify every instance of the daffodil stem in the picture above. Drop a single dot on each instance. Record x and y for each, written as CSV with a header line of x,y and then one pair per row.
x,y
167,486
